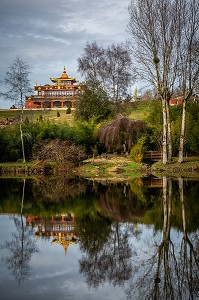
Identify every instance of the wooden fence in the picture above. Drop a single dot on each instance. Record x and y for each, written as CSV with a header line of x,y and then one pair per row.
x,y
152,182
153,155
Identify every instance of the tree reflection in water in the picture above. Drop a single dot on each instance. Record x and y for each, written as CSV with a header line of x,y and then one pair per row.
x,y
111,262
21,247
169,273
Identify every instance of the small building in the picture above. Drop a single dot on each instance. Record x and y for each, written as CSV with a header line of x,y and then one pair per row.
x,y
175,101
63,92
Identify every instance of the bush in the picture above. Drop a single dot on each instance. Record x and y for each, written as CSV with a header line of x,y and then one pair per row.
x,y
58,114
121,133
94,103
59,152
137,152
68,111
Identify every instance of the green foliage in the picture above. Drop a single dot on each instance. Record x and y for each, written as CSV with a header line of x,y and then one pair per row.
x,y
192,131
137,152
84,135
192,128
35,133
10,149
154,121
26,121
113,135
94,103
58,114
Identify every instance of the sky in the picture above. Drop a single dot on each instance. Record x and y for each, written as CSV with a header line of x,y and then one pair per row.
x,y
51,34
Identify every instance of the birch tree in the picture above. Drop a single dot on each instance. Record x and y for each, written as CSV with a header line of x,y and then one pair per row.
x,y
15,86
189,60
154,27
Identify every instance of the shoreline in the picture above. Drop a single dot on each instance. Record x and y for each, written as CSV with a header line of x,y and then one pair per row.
x,y
114,168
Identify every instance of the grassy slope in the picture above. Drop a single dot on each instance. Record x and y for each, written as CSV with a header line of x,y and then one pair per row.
x,y
141,110
33,115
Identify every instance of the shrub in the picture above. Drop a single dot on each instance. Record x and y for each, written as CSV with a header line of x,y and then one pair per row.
x,y
58,114
59,152
137,152
121,133
68,111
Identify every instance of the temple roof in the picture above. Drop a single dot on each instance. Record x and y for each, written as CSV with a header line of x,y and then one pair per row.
x,y
64,77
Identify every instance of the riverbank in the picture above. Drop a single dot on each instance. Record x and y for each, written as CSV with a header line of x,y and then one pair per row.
x,y
112,167
122,168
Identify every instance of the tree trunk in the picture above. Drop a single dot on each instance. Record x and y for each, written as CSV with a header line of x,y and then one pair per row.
x,y
21,132
169,140
181,191
164,135
182,134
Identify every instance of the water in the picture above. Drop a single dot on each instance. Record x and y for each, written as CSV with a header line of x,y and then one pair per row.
x,y
73,239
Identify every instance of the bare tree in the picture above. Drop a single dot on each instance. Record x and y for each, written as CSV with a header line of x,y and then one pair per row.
x,y
91,63
154,27
189,59
17,84
117,71
107,67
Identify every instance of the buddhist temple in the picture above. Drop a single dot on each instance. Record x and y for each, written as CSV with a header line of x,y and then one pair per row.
x,y
62,93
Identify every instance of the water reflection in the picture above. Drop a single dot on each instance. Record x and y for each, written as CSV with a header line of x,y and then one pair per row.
x,y
111,262
142,236
171,272
61,228
21,247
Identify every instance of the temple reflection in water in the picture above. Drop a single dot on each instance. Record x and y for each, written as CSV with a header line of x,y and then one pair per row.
x,y
61,227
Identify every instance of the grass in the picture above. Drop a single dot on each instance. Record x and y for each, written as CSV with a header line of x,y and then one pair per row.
x,y
119,168
114,167
141,110
189,168
34,115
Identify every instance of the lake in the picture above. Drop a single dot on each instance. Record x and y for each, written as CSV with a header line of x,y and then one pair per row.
x,y
75,239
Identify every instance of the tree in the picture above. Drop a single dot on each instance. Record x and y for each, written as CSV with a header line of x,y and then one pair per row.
x,y
17,83
189,60
94,103
121,133
154,26
108,67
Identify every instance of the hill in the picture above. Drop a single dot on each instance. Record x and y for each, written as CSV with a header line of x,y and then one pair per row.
x,y
9,116
138,111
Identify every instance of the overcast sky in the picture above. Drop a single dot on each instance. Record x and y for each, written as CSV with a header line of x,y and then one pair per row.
x,y
51,34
